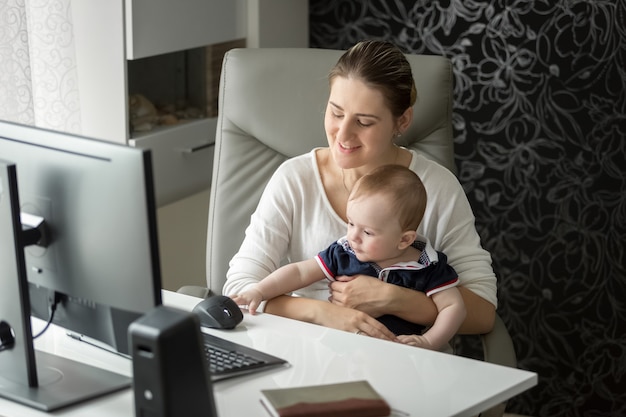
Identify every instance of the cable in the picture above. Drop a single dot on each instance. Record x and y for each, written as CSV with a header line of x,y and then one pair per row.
x,y
58,297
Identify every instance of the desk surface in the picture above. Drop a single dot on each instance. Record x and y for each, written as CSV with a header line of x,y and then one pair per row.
x,y
415,381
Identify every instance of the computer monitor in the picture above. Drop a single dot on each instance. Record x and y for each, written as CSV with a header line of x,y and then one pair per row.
x,y
77,231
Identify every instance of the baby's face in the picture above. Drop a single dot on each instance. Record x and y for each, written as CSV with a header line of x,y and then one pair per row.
x,y
374,232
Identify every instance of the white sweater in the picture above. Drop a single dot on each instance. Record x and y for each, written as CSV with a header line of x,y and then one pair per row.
x,y
294,221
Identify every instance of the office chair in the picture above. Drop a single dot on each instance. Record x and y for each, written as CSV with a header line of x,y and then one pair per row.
x,y
271,107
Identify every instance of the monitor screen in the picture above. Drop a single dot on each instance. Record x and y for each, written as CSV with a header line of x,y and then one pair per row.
x,y
97,257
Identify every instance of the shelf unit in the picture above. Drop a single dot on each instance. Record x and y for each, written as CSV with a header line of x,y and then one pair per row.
x,y
111,37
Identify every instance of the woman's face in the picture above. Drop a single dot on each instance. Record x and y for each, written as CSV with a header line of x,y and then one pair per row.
x,y
359,125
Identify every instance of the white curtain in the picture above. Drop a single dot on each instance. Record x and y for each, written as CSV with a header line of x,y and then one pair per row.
x,y
38,77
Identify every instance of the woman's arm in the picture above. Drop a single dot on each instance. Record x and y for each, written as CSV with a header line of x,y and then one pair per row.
x,y
376,298
329,315
449,225
291,223
481,314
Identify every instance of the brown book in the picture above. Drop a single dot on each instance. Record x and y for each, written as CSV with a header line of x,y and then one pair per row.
x,y
346,399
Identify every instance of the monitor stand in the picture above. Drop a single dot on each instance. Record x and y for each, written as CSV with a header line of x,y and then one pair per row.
x,y
34,378
62,382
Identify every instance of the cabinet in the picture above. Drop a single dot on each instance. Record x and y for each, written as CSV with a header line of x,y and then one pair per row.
x,y
110,36
155,27
113,36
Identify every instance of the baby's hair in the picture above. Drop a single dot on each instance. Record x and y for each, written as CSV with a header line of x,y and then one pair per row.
x,y
381,65
398,186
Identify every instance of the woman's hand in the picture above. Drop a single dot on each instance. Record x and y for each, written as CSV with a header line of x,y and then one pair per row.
x,y
359,292
376,298
329,315
354,321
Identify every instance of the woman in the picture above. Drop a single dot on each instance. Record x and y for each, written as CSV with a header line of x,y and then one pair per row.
x,y
303,207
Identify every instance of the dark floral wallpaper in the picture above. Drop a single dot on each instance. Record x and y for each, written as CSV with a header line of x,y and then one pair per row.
x,y
540,125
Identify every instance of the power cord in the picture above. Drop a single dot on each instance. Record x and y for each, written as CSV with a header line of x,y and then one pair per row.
x,y
58,297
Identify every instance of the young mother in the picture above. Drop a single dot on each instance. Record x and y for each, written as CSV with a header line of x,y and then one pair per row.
x,y
304,207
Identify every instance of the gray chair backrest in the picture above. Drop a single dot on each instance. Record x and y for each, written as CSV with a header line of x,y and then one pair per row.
x,y
271,107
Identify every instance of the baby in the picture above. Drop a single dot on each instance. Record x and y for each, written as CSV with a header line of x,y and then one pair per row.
x,y
384,209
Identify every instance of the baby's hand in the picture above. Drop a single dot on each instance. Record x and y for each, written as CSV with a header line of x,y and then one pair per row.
x,y
416,340
250,299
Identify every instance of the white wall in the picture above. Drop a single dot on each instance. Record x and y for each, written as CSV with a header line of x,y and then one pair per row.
x,y
278,24
182,241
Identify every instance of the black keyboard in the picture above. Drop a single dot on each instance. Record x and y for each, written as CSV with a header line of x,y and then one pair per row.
x,y
227,359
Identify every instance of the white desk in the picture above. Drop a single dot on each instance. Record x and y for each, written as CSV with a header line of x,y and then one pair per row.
x,y
413,380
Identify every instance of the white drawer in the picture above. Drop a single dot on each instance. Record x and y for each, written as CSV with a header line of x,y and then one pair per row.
x,y
155,27
182,158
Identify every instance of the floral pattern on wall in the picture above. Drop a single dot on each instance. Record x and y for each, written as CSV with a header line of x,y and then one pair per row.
x,y
540,143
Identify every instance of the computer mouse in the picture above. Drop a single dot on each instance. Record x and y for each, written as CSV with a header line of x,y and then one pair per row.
x,y
218,312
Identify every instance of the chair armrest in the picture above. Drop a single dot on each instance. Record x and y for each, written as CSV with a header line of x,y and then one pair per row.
x,y
498,349
497,345
194,291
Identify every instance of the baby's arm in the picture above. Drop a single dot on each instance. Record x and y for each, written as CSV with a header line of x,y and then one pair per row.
x,y
451,314
285,279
